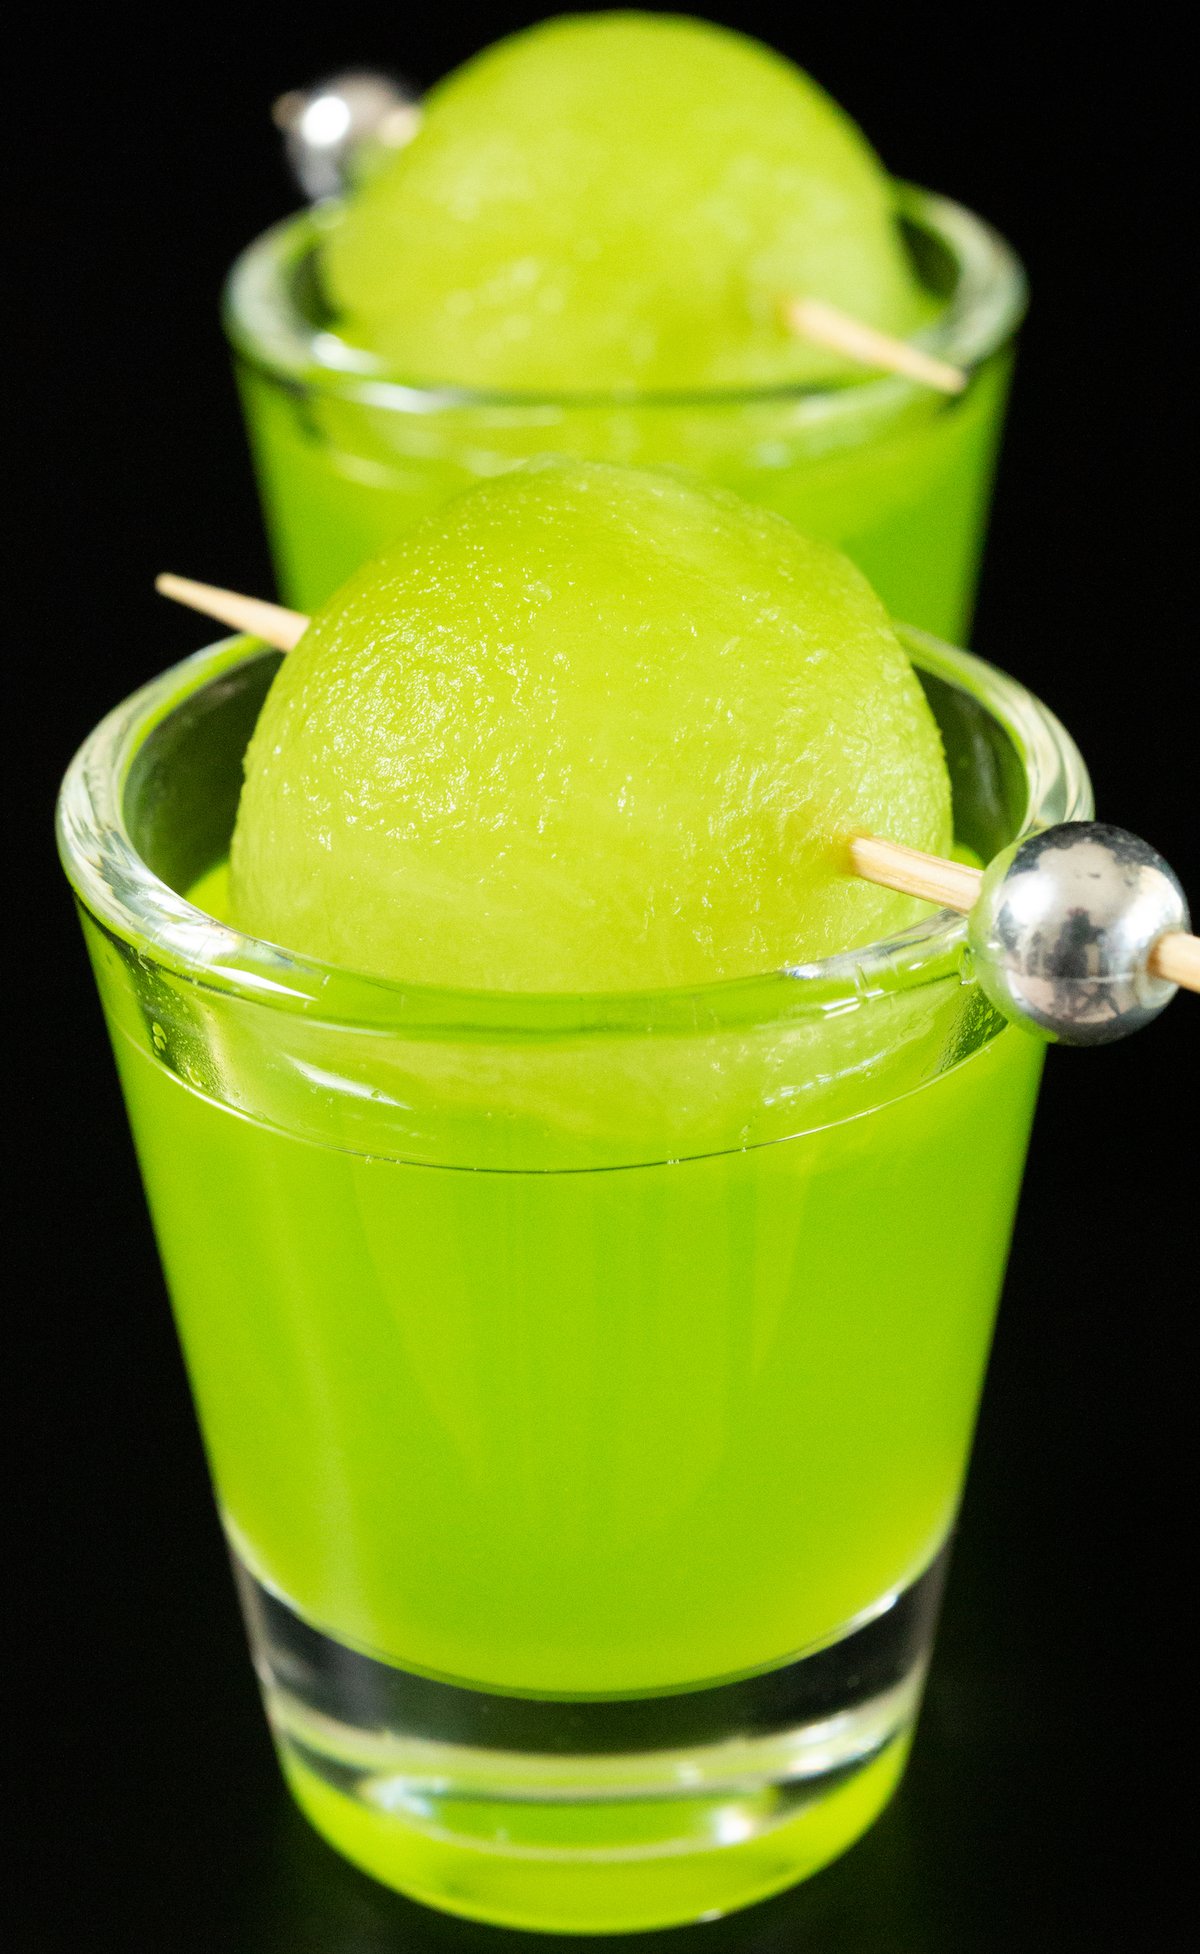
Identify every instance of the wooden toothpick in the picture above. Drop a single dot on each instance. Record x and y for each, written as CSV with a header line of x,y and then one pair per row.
x,y
270,622
826,325
951,885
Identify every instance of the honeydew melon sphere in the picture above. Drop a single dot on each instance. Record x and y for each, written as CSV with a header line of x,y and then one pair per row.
x,y
586,728
619,201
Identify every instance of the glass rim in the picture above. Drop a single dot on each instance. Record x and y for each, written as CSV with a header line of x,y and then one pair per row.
x,y
117,886
270,334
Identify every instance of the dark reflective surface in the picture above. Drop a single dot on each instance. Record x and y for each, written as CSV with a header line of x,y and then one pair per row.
x,y
1048,1808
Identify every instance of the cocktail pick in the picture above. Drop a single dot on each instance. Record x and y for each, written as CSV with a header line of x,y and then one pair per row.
x,y
827,325
270,622
326,126
1079,933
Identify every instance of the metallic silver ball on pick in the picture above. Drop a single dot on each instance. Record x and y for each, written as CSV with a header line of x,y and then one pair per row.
x,y
332,129
1064,927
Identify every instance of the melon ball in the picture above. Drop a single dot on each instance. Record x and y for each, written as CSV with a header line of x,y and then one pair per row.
x,y
619,201
587,728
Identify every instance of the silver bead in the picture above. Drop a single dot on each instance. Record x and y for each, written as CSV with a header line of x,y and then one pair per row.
x,y
334,127
1063,929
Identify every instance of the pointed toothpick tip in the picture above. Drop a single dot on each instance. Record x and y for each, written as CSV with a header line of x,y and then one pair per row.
x,y
270,622
826,325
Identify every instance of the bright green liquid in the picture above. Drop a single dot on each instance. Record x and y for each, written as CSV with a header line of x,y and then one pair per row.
x,y
589,1431
905,495
604,1429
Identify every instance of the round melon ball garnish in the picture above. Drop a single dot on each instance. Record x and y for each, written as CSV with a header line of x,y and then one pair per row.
x,y
587,728
619,201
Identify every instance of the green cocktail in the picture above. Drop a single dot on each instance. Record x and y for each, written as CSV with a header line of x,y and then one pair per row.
x,y
587,1379
586,250
591,1432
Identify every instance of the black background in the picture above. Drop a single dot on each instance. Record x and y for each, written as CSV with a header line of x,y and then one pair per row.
x,y
1049,1804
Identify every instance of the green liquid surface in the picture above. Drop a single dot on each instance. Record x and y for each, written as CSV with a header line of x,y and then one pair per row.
x,y
902,489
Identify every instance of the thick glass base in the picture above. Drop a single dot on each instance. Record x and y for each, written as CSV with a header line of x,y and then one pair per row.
x,y
602,1815
663,1862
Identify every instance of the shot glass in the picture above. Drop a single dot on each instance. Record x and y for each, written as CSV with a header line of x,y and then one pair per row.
x,y
347,455
587,1381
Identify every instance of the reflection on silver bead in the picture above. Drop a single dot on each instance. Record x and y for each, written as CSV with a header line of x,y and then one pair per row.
x,y
1063,929
336,126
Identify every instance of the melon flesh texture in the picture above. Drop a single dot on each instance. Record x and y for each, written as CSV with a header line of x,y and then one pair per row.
x,y
616,202
584,729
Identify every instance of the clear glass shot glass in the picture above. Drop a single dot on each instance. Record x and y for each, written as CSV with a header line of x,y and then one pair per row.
x,y
587,1381
347,455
